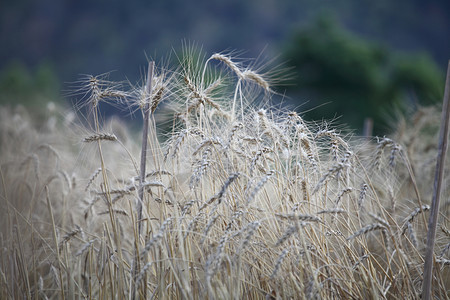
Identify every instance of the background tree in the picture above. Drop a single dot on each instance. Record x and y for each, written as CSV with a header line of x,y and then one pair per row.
x,y
357,79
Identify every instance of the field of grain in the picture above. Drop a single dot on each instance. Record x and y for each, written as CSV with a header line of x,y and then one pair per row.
x,y
239,200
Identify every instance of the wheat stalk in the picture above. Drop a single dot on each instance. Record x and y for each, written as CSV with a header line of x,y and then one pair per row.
x,y
439,176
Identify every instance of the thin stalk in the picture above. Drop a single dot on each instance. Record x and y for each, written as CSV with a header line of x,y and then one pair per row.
x,y
439,176
109,201
55,239
142,168
203,74
237,89
144,144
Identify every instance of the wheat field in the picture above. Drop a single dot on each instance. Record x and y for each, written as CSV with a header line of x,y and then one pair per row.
x,y
239,200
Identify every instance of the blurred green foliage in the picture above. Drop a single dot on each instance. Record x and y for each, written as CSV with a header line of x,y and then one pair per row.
x,y
343,76
32,88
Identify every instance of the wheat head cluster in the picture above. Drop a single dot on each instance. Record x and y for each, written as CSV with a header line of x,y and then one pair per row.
x,y
240,200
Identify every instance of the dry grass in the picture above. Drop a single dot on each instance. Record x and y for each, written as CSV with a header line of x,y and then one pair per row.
x,y
240,201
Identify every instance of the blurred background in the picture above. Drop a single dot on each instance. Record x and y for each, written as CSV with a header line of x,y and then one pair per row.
x,y
350,60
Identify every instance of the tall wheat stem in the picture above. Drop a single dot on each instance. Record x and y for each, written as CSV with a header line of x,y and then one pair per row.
x,y
140,201
109,201
144,144
434,211
55,239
